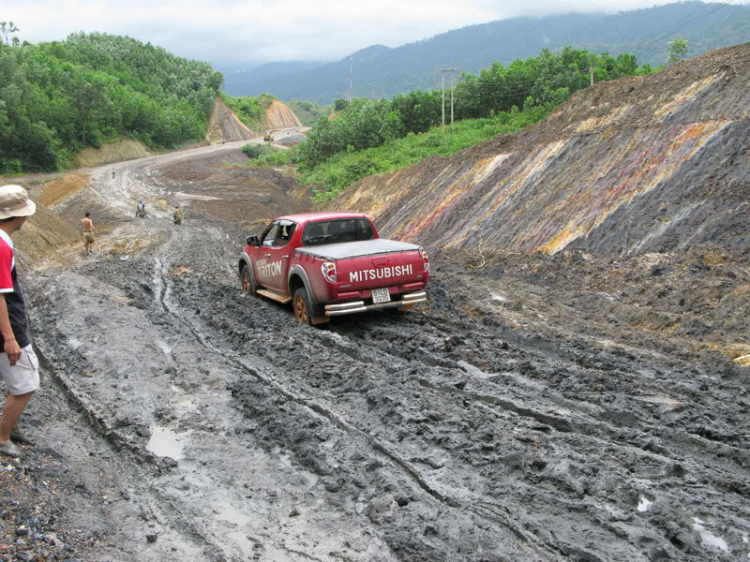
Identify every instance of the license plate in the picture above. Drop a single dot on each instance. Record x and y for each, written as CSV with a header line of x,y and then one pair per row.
x,y
380,295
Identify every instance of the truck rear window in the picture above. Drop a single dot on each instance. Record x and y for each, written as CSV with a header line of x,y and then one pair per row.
x,y
337,231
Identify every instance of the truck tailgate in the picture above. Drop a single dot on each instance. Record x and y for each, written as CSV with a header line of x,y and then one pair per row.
x,y
372,264
381,270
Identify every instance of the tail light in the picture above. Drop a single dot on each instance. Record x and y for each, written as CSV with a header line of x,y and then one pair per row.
x,y
425,261
329,271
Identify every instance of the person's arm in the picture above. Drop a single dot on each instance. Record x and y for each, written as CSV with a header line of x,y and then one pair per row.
x,y
11,345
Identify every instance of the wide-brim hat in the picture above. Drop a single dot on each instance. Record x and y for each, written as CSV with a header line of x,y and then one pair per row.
x,y
15,202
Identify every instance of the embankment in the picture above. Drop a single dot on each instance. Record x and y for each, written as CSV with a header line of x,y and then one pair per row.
x,y
224,126
653,163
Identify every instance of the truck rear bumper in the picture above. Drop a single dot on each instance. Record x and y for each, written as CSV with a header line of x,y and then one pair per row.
x,y
355,307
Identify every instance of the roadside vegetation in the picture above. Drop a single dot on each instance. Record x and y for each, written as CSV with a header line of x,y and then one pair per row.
x,y
345,169
60,97
365,137
309,112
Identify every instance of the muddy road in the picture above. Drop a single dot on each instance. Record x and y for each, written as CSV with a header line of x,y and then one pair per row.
x,y
514,417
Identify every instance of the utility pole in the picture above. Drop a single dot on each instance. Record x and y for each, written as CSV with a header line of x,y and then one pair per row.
x,y
348,94
442,105
591,70
444,70
451,96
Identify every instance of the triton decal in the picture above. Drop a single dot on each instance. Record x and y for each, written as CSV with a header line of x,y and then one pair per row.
x,y
266,270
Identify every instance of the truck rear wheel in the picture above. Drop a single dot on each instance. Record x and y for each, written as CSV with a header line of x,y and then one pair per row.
x,y
303,311
302,308
248,285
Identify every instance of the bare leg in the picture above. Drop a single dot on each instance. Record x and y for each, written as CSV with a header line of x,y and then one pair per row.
x,y
14,407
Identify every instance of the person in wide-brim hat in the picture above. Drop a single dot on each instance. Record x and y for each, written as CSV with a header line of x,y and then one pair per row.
x,y
19,368
15,202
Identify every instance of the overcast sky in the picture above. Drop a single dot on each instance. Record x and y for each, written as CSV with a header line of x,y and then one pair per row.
x,y
252,32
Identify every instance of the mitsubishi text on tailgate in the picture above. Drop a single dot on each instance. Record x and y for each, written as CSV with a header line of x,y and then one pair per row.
x,y
332,264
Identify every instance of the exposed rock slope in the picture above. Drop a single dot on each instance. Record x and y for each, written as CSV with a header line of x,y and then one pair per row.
x,y
279,116
224,126
655,163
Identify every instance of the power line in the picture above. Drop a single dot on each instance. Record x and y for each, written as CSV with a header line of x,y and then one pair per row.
x,y
671,32
678,25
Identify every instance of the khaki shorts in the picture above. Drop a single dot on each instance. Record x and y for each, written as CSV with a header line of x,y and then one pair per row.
x,y
23,377
88,238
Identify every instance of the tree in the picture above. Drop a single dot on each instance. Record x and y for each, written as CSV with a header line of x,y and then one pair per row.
x,y
7,27
678,50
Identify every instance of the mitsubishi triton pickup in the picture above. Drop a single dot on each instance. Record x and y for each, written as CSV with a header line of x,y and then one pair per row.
x,y
332,264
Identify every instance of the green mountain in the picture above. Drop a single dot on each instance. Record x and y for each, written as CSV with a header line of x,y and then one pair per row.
x,y
383,71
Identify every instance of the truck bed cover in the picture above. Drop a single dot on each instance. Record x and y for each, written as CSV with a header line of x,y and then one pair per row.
x,y
340,251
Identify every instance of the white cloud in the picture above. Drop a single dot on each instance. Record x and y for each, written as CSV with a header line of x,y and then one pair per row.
x,y
256,31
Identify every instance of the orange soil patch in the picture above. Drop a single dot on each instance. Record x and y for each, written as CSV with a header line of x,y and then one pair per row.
x,y
279,116
59,189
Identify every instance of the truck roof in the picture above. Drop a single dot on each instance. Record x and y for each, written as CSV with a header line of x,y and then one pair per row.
x,y
308,217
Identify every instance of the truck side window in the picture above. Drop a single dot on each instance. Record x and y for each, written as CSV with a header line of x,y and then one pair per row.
x,y
284,234
271,234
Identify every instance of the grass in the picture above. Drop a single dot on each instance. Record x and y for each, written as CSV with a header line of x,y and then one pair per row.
x,y
347,168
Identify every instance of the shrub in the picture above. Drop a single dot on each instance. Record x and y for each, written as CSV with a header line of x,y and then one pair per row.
x,y
252,150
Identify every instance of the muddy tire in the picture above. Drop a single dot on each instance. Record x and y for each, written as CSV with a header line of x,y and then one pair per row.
x,y
248,285
302,308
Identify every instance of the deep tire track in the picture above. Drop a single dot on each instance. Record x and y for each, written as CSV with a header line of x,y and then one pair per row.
x,y
328,413
610,429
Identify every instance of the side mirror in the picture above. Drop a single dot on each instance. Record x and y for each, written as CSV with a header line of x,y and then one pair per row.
x,y
253,241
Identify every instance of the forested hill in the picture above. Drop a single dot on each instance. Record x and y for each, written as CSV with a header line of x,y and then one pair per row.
x,y
57,98
382,71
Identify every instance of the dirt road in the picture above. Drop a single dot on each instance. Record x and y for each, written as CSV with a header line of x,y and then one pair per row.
x,y
516,417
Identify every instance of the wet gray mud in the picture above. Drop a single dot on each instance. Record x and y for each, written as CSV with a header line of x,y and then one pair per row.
x,y
511,418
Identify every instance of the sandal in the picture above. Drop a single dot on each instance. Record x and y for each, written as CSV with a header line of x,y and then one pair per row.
x,y
9,450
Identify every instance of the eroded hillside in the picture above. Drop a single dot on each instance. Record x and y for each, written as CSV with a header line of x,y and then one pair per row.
x,y
224,125
654,163
279,116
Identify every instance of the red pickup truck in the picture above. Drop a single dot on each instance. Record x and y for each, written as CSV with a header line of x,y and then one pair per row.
x,y
332,264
